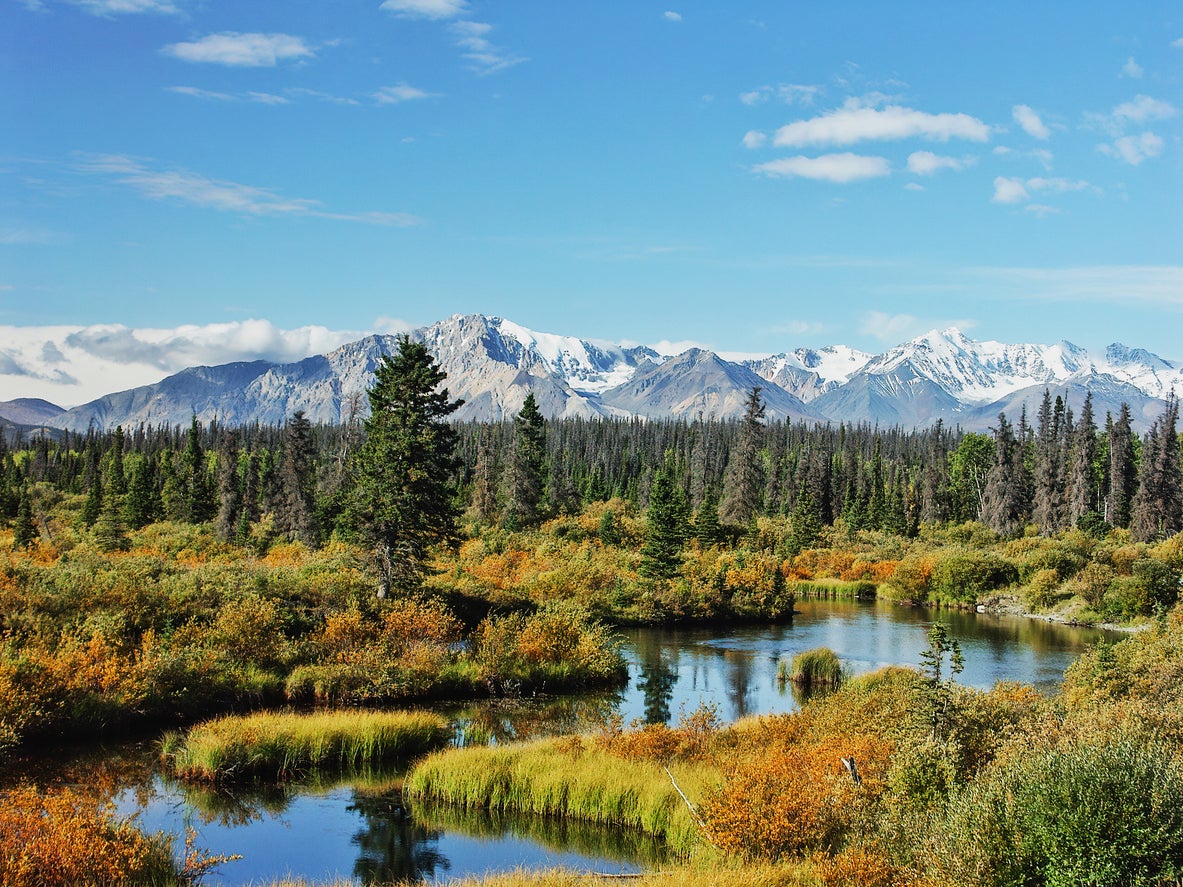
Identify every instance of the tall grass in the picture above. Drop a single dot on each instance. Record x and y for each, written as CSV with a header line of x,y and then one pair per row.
x,y
285,744
834,588
819,667
551,778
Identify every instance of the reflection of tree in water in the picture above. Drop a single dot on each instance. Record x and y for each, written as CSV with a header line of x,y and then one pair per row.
x,y
656,684
740,665
513,719
393,847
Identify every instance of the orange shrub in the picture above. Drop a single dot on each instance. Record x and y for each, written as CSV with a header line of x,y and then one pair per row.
x,y
64,838
796,800
859,866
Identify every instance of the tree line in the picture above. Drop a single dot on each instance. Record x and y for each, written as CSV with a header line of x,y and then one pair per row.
x,y
710,478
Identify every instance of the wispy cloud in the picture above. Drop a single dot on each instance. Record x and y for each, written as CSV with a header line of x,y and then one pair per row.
x,y
1132,69
431,9
1044,156
754,139
262,98
484,56
1142,109
1013,190
1134,149
840,168
403,92
789,93
1031,122
242,50
671,16
855,122
21,235
126,7
185,186
925,163
1115,285
895,328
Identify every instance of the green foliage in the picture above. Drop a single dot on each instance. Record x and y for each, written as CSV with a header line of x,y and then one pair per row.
x,y
819,667
402,501
965,575
1109,813
668,525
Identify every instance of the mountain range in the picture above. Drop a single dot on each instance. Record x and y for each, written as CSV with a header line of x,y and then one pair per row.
x,y
493,363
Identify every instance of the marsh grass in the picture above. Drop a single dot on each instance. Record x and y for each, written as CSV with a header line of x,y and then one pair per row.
x,y
283,745
564,779
834,588
819,667
789,875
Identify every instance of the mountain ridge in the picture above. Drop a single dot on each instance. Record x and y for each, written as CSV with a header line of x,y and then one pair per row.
x,y
493,363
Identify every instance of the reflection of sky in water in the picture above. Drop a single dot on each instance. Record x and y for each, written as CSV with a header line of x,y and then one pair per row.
x,y
340,832
735,668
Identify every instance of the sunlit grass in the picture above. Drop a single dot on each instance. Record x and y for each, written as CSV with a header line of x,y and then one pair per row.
x,y
819,667
285,744
560,778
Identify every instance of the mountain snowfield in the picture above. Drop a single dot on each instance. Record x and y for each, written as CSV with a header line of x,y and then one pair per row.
x,y
493,363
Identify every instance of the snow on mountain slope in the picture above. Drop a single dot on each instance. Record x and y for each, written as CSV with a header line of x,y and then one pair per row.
x,y
808,373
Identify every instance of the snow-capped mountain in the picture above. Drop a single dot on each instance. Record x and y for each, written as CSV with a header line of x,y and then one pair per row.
x,y
809,373
493,363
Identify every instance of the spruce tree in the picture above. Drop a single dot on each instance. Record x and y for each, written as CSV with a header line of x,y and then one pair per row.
x,y
707,529
1123,473
484,487
525,476
24,532
142,505
109,530
1082,484
1002,501
1157,508
668,525
1048,506
743,482
296,515
402,501
229,493
805,525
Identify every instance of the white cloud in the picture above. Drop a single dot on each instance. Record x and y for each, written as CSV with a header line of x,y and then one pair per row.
x,y
1013,190
1177,43
896,328
1132,69
670,16
403,92
69,365
841,168
242,50
434,9
1041,209
392,326
855,122
1043,155
1007,190
925,163
913,186
1030,122
262,98
1134,149
754,139
1114,285
198,190
789,93
486,58
1143,108
121,7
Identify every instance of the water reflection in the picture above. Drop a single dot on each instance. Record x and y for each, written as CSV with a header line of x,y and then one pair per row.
x,y
357,828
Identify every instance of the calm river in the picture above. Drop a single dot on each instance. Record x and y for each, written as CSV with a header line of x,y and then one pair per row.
x,y
357,829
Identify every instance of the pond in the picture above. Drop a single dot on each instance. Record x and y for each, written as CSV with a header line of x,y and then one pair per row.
x,y
357,828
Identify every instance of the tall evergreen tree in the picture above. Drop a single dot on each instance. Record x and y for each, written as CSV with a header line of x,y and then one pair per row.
x,y
402,501
1157,509
142,505
1048,506
668,524
24,531
1083,493
743,482
296,516
1002,502
1123,473
525,477
229,488
199,501
114,478
805,524
484,486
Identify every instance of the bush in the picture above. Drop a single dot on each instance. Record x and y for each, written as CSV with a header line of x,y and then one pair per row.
x,y
1110,813
964,575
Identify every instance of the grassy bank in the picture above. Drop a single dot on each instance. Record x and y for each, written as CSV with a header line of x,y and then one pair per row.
x,y
284,744
677,876
564,778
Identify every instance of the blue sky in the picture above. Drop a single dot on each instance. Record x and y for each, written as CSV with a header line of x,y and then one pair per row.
x,y
221,180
